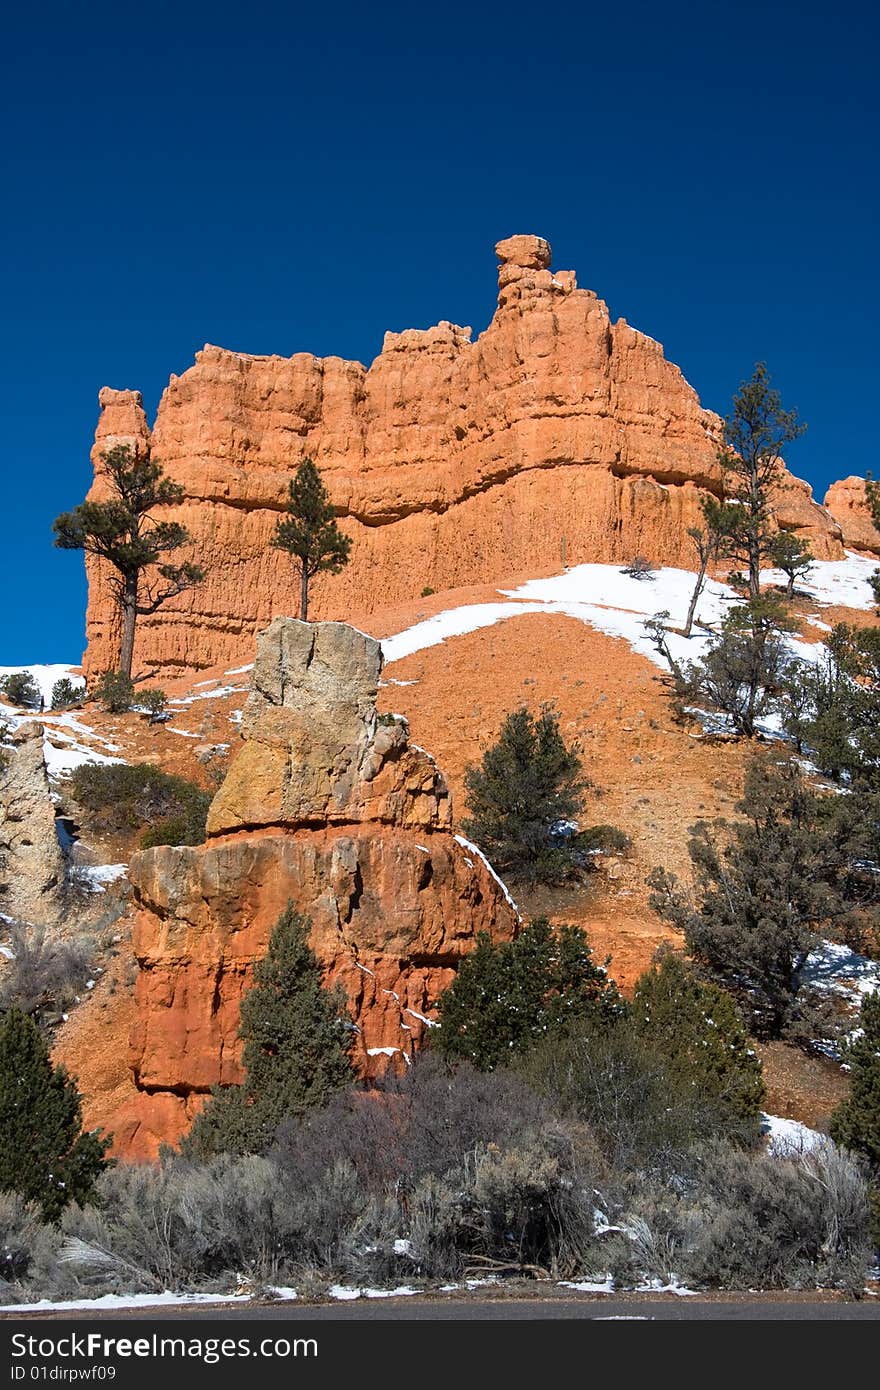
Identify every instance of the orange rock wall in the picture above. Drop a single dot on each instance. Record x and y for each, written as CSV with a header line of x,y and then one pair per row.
x,y
451,462
848,503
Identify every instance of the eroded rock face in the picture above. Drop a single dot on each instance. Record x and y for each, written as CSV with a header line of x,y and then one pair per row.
x,y
32,871
848,503
451,462
328,808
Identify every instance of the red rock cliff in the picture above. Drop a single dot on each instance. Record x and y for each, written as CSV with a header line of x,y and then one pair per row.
x,y
333,809
848,503
452,462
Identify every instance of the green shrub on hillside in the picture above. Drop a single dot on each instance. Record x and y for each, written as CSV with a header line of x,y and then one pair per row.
x,y
20,689
126,796
697,1029
115,691
507,995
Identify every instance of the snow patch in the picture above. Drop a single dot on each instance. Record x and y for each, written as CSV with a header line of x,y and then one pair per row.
x,y
789,1138
473,849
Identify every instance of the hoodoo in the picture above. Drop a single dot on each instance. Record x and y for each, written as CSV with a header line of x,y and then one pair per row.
x,y
327,806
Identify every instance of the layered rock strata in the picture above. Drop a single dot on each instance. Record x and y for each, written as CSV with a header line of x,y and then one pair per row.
x,y
327,806
558,435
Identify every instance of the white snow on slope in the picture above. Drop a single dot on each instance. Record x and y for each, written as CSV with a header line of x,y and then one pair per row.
x,y
843,582
618,605
455,622
789,1138
599,595
114,1300
209,694
95,877
45,676
478,853
835,967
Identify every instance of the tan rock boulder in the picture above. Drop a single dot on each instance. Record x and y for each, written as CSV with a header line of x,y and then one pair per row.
x,y
328,808
848,504
32,870
315,751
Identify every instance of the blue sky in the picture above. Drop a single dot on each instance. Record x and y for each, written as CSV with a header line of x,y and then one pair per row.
x,y
284,178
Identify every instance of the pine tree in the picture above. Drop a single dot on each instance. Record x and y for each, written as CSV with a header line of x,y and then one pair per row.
x,y
745,666
44,1154
309,533
696,1028
763,887
123,532
855,1124
793,556
755,434
508,995
297,1039
524,796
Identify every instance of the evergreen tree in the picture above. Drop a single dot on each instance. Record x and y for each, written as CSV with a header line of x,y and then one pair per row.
x,y
697,1030
44,1154
855,1124
755,434
508,995
524,796
123,532
309,533
297,1039
745,667
21,689
763,887
833,707
793,556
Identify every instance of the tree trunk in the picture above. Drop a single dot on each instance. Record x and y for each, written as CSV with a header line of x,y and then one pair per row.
x,y
129,619
695,598
304,595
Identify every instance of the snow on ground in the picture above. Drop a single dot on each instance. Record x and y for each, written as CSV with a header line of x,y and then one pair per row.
x,y
60,762
115,1300
45,676
613,602
343,1294
789,1138
836,968
95,877
832,582
478,853
209,694
599,595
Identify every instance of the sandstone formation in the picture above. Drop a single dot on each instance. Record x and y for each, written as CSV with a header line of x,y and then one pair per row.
x,y
32,868
556,434
331,807
848,504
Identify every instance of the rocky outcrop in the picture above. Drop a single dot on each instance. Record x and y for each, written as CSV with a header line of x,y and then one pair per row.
x,y
557,432
848,503
326,806
31,862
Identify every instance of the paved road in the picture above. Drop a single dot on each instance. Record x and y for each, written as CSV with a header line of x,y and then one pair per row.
x,y
511,1309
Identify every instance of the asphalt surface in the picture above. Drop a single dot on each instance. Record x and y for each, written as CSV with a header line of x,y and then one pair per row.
x,y
510,1309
